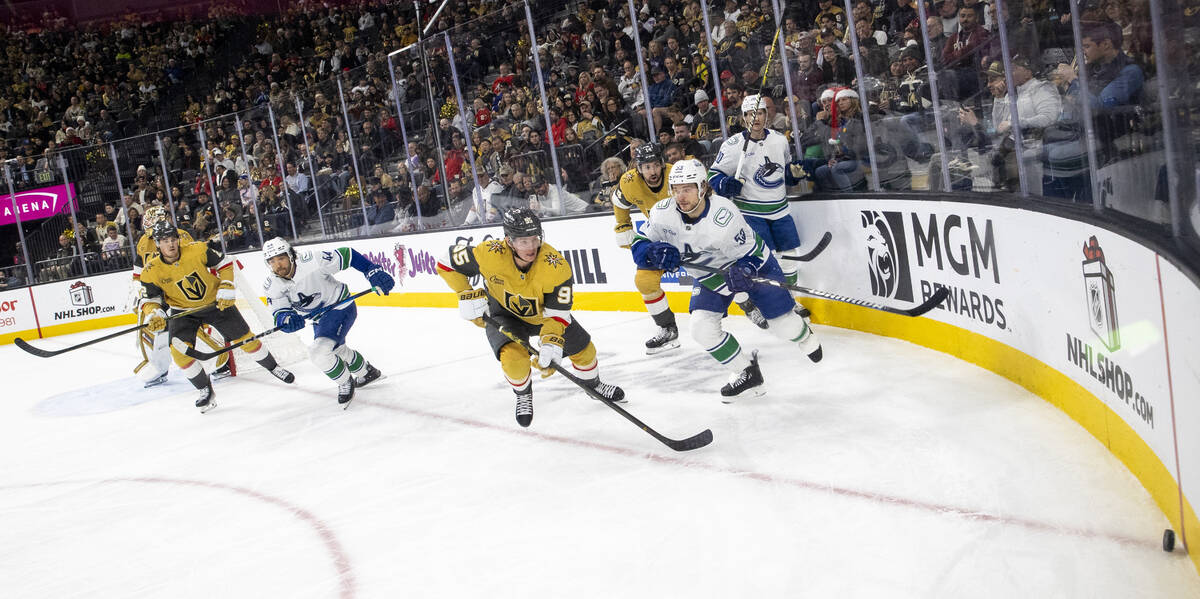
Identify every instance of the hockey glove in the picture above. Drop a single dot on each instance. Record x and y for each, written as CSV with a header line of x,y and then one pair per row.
x,y
473,304
156,320
663,256
624,235
550,354
380,281
226,295
740,276
289,321
796,172
727,186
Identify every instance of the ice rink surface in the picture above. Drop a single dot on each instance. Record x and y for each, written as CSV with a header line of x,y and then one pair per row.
x,y
887,470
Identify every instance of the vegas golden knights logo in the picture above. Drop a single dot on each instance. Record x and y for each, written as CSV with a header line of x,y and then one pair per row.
x,y
519,305
192,286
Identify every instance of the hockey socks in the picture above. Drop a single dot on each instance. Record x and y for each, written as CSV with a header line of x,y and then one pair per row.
x,y
729,353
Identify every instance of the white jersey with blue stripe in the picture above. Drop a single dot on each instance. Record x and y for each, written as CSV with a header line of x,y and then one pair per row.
x,y
312,285
764,186
718,238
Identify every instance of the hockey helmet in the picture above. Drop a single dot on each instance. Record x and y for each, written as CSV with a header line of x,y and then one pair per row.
x,y
164,229
690,171
647,153
153,216
276,247
521,222
752,103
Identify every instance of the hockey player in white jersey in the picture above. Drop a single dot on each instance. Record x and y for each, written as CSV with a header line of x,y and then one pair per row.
x,y
300,284
756,182
704,228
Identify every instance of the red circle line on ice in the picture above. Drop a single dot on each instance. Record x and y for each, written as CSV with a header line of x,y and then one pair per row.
x,y
896,500
341,562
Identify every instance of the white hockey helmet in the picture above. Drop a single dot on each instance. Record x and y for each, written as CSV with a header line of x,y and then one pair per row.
x,y
687,171
153,215
275,247
752,103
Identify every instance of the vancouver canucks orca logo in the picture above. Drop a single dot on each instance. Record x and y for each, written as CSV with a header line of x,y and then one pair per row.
x,y
520,305
306,300
769,175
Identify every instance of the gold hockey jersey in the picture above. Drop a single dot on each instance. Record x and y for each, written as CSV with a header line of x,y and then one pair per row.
x,y
189,282
541,295
632,192
147,250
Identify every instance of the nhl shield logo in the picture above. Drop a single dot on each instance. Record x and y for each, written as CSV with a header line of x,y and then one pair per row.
x,y
1101,296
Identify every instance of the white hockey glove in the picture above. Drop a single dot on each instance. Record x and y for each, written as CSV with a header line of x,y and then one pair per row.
x,y
473,305
550,354
226,295
624,235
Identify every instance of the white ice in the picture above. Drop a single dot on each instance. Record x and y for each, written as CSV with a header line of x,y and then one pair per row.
x,y
887,470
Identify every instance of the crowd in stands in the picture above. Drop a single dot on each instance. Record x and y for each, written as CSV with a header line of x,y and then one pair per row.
x,y
225,177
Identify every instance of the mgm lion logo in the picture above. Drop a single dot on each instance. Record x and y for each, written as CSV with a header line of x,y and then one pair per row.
x,y
887,254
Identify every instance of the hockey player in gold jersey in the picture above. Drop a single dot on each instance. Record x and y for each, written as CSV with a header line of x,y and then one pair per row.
x,y
527,289
642,187
156,357
183,277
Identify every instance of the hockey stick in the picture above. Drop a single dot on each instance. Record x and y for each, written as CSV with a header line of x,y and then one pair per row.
x,y
934,300
49,353
204,356
694,442
737,174
812,253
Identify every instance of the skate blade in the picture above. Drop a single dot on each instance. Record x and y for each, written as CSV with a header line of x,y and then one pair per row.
x,y
206,409
361,385
751,393
650,351
154,383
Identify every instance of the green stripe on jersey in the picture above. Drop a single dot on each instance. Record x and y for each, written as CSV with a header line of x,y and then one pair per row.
x,y
357,363
726,350
756,209
337,370
345,254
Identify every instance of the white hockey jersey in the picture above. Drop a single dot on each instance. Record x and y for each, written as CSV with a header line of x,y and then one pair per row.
x,y
718,238
312,286
764,189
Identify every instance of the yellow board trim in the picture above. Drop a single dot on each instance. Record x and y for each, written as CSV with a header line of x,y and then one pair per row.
x,y
1040,379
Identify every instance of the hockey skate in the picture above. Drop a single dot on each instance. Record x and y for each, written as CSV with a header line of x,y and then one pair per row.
x,y
205,401
802,312
667,338
809,344
223,372
346,392
748,381
283,374
372,374
156,381
525,406
754,314
612,393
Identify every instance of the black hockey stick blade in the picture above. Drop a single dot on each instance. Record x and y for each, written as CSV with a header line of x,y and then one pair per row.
x,y
934,301
695,441
50,353
821,245
205,356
